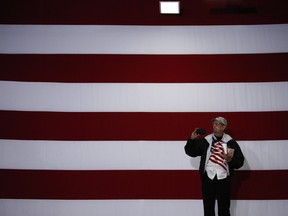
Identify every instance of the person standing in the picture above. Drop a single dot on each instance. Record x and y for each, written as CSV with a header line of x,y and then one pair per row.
x,y
220,155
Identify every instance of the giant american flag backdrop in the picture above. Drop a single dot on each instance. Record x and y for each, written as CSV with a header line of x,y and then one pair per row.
x,y
98,98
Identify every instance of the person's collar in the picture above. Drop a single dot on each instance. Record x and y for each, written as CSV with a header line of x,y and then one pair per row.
x,y
218,137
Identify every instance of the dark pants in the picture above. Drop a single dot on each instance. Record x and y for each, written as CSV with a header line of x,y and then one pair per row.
x,y
216,189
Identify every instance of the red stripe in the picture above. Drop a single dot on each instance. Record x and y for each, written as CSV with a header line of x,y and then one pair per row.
x,y
142,12
134,184
219,163
137,126
145,68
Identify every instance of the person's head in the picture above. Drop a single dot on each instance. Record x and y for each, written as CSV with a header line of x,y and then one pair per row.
x,y
219,125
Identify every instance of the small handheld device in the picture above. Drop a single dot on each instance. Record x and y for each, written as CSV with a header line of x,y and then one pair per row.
x,y
201,131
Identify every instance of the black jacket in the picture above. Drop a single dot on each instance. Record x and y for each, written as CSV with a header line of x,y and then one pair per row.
x,y
199,147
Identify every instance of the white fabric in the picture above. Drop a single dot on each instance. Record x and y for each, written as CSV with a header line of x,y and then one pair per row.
x,y
143,97
112,39
135,207
214,169
128,155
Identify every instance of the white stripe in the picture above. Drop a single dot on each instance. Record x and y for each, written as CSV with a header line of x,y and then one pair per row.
x,y
139,97
19,207
143,39
128,155
217,158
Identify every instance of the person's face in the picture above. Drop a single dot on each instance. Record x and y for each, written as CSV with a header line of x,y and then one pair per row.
x,y
218,128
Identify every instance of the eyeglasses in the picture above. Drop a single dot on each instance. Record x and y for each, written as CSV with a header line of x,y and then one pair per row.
x,y
217,123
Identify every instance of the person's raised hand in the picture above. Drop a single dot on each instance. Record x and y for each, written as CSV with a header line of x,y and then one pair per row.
x,y
194,135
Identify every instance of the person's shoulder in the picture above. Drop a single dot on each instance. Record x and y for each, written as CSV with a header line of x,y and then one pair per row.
x,y
227,137
208,138
231,141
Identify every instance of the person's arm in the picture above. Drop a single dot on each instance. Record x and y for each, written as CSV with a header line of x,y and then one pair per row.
x,y
193,146
237,160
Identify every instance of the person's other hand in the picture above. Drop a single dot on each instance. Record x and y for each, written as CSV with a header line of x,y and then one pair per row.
x,y
228,157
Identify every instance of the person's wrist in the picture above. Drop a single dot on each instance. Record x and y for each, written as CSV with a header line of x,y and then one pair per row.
x,y
193,137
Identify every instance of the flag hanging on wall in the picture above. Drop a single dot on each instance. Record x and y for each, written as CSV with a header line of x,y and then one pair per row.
x,y
97,100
